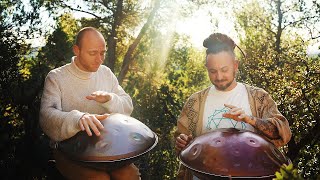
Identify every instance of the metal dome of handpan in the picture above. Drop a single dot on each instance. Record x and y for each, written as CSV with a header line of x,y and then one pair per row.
x,y
121,142
232,153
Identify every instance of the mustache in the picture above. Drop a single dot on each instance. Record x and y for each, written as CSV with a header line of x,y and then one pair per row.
x,y
223,80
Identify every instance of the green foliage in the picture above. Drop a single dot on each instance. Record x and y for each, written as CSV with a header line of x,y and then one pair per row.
x,y
117,23
287,172
58,50
9,76
290,76
18,92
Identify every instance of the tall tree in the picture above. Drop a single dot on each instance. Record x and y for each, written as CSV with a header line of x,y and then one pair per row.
x,y
159,92
289,75
119,21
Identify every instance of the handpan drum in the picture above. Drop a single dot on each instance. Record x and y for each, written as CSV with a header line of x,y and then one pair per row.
x,y
120,143
231,153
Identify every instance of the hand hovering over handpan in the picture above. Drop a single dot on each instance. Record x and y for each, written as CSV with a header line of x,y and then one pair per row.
x,y
182,141
100,96
238,114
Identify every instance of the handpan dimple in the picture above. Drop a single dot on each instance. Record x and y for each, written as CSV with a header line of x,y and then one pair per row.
x,y
195,151
230,152
218,141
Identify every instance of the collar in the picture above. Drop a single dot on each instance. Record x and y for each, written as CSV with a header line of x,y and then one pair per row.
x,y
76,71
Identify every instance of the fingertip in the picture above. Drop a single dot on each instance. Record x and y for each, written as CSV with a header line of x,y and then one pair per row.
x,y
81,127
89,133
89,97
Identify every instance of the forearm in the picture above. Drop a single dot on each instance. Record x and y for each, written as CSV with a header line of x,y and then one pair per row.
x,y
54,121
119,104
59,125
265,127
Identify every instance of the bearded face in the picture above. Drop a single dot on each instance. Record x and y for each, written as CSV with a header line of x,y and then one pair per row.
x,y
222,69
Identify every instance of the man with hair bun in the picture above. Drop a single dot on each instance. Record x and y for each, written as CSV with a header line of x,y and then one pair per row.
x,y
76,97
228,103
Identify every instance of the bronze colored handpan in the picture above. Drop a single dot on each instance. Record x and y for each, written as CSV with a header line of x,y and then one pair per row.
x,y
232,153
122,140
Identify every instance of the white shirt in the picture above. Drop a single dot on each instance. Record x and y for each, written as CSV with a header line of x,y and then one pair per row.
x,y
214,108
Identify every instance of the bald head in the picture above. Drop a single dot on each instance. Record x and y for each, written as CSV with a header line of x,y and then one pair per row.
x,y
89,49
85,31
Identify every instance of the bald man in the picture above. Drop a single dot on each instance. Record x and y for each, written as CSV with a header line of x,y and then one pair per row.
x,y
77,96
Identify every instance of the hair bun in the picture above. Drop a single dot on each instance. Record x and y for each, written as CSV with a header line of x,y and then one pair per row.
x,y
218,39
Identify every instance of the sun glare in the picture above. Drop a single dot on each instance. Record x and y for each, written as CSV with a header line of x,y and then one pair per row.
x,y
201,25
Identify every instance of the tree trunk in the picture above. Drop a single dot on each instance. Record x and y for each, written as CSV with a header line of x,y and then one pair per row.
x,y
279,31
112,38
128,56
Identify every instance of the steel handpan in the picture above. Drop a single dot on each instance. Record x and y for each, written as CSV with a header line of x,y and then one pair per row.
x,y
230,152
122,140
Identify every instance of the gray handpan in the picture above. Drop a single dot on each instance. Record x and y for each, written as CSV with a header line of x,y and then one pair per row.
x,y
121,142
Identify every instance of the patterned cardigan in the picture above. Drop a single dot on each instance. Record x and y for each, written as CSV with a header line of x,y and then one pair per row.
x,y
261,104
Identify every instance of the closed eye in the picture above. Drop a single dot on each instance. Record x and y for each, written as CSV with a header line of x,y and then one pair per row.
x,y
93,53
225,69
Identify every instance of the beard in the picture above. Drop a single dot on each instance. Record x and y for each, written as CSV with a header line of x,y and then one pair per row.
x,y
223,84
222,87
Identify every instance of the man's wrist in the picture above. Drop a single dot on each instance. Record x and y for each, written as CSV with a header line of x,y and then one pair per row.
x,y
252,120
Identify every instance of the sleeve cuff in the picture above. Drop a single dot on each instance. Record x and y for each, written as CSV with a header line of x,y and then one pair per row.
x,y
107,104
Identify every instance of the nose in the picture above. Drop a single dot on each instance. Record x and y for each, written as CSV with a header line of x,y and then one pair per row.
x,y
219,76
99,58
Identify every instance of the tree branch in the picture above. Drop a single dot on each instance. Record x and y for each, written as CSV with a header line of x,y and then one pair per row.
x,y
311,34
300,20
63,4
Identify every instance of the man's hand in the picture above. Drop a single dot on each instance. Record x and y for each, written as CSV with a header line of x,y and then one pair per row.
x,y
92,122
237,114
263,125
100,96
181,141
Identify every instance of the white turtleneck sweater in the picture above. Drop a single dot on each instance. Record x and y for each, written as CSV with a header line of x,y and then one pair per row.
x,y
64,101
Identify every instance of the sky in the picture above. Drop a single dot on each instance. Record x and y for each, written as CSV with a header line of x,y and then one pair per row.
x,y
199,27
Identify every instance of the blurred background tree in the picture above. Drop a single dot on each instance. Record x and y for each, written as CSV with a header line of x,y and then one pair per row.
x,y
276,60
158,67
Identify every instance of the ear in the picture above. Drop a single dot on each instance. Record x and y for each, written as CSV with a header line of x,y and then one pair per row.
x,y
76,50
236,64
